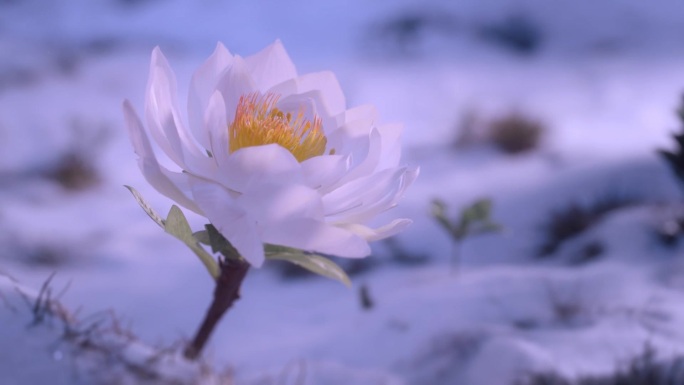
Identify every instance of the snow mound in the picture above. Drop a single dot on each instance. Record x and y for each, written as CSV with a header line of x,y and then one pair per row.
x,y
48,338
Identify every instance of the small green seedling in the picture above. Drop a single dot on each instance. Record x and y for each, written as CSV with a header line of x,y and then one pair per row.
x,y
475,219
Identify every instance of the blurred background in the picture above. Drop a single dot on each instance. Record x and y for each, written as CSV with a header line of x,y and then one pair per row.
x,y
552,110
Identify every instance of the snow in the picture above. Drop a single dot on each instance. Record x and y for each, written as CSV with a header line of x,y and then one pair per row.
x,y
605,81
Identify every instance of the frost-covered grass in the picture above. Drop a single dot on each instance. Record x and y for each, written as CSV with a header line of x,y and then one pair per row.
x,y
46,341
643,369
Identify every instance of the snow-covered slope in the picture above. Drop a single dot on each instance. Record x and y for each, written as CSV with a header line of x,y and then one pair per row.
x,y
603,78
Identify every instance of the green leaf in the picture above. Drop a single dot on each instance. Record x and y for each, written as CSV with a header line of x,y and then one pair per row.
x,y
177,225
219,243
486,228
473,220
476,215
202,237
492,227
482,209
276,249
146,206
314,263
478,211
439,209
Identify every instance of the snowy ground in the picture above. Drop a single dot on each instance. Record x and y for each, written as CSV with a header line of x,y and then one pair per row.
x,y
605,79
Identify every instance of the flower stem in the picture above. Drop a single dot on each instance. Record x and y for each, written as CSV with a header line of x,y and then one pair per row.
x,y
455,257
227,291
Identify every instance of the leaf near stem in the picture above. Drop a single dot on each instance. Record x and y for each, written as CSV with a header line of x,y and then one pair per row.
x,y
315,263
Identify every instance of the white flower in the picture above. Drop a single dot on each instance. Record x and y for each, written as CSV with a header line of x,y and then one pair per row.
x,y
268,156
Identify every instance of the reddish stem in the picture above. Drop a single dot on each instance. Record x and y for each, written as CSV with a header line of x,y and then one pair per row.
x,y
226,292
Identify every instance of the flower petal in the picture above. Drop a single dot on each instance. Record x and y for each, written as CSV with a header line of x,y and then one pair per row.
x,y
163,118
311,235
366,211
303,104
369,152
365,112
311,104
235,82
269,203
325,83
322,171
364,198
386,231
271,66
230,219
390,135
258,165
284,89
202,88
217,129
157,108
350,135
172,185
360,192
321,92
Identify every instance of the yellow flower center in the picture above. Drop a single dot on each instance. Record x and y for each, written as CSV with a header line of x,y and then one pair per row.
x,y
258,122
